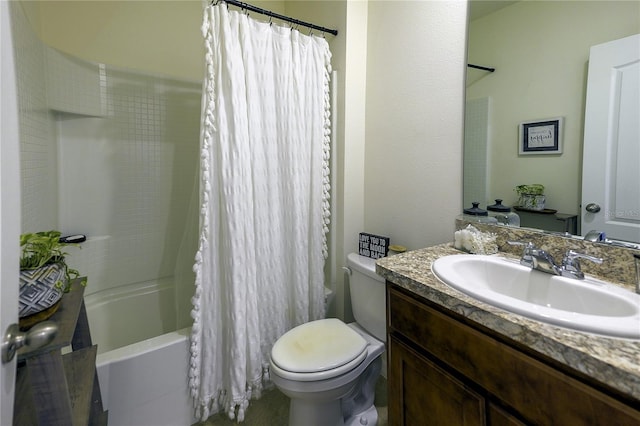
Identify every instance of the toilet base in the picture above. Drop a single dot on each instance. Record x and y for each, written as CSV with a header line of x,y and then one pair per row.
x,y
369,417
353,408
303,412
358,408
328,414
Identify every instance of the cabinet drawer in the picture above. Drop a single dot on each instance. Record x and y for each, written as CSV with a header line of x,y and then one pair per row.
x,y
539,392
425,393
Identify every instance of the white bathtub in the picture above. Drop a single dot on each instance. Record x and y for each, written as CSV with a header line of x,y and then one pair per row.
x,y
125,314
146,382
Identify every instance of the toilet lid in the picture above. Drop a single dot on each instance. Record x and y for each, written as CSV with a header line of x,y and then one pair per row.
x,y
317,346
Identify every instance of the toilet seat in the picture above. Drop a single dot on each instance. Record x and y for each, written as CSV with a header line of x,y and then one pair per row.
x,y
318,350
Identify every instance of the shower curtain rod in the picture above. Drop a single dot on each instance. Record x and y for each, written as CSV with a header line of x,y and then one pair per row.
x,y
479,67
255,9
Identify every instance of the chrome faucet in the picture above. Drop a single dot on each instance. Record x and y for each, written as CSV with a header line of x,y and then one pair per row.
x,y
538,259
541,260
595,235
571,265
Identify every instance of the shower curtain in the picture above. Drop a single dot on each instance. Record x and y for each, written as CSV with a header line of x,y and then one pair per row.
x,y
264,202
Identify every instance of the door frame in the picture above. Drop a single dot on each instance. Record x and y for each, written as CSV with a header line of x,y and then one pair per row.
x,y
9,205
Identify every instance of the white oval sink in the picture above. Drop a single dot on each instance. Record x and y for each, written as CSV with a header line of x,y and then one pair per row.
x,y
587,305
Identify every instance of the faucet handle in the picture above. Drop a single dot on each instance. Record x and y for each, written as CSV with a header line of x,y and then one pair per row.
x,y
572,255
527,256
571,264
595,235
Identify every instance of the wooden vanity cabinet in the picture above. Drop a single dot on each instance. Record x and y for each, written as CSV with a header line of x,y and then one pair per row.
x,y
444,370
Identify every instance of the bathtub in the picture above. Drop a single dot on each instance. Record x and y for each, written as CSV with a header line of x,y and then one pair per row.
x,y
146,382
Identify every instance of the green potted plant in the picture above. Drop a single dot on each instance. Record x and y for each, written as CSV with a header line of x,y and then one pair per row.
x,y
44,273
531,197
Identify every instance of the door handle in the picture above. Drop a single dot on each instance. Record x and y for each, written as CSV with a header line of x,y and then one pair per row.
x,y
592,208
37,336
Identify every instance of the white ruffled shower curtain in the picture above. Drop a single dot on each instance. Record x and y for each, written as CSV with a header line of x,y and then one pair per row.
x,y
264,195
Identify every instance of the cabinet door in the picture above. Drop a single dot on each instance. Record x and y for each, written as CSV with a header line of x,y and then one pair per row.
x,y
422,393
500,417
538,392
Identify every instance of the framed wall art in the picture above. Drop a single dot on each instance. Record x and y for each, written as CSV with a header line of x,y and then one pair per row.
x,y
540,137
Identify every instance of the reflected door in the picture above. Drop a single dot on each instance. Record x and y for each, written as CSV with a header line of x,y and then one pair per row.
x,y
611,193
9,209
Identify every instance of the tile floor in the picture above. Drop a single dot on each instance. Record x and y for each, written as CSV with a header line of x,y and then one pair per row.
x,y
273,408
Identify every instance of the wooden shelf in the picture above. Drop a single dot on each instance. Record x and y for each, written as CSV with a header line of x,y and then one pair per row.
x,y
555,222
54,389
76,366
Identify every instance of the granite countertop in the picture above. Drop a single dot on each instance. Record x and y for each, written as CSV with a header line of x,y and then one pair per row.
x,y
614,362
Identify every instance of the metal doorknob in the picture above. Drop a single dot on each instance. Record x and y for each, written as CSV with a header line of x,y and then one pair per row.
x,y
592,208
37,336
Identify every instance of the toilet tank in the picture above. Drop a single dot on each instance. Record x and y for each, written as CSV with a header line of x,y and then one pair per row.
x,y
367,295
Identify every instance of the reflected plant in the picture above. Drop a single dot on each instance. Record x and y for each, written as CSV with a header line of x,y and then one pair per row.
x,y
45,248
532,189
531,196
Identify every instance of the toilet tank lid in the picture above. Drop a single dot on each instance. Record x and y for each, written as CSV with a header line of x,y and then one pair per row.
x,y
317,346
364,265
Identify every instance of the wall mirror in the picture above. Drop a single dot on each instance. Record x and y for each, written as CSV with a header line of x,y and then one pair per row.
x,y
540,52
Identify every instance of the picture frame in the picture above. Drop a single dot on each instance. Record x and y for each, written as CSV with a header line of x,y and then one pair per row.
x,y
541,136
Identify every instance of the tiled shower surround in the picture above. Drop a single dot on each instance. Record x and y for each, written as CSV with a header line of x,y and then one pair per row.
x,y
476,150
112,154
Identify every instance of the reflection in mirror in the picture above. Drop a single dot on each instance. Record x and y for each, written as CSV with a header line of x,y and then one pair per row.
x,y
540,50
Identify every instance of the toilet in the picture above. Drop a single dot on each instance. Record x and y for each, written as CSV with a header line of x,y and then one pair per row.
x,y
329,369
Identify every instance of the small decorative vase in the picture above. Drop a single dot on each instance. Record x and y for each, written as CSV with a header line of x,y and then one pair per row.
x,y
40,289
532,201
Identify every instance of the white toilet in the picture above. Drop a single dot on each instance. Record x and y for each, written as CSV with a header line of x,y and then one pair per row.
x,y
328,368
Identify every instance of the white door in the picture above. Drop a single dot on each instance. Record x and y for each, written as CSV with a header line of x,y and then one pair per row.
x,y
611,157
9,207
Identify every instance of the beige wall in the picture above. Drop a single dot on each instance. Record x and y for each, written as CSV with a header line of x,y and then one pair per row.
x,y
161,37
540,50
415,90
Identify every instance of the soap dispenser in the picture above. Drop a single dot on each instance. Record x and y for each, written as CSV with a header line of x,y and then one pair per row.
x,y
476,214
503,214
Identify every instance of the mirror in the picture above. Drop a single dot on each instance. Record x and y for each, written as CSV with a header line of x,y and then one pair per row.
x,y
540,51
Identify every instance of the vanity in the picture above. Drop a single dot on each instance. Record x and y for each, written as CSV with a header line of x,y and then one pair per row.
x,y
456,360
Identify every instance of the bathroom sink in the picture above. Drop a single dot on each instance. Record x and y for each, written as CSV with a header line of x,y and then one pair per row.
x,y
587,305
